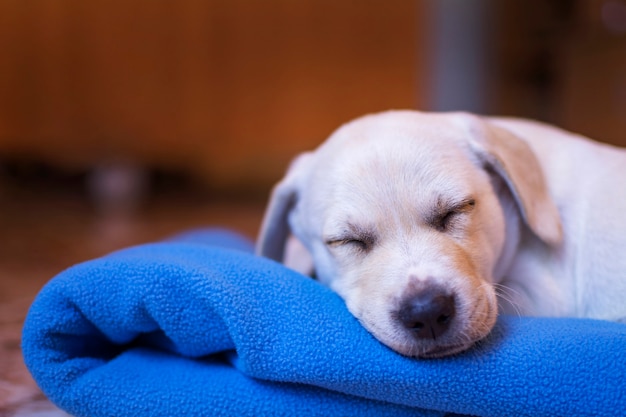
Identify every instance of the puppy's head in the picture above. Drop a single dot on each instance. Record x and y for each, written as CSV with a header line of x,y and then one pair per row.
x,y
404,215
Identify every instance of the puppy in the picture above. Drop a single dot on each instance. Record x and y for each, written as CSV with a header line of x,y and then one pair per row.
x,y
429,224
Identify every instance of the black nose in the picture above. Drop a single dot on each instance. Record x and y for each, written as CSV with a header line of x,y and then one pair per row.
x,y
427,314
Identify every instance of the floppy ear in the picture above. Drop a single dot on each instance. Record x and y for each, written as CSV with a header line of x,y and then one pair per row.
x,y
512,159
275,226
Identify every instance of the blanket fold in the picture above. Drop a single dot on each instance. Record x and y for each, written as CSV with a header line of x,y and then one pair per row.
x,y
197,325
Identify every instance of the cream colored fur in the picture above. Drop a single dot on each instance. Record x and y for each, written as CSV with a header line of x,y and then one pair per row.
x,y
507,215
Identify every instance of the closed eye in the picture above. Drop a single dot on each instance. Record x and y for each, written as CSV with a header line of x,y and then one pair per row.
x,y
357,243
445,218
444,222
354,237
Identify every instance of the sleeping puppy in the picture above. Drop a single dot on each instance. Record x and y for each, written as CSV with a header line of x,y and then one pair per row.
x,y
429,224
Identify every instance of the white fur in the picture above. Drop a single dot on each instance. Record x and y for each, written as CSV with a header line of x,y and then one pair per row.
x,y
538,222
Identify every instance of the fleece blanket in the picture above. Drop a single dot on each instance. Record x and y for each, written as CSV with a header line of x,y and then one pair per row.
x,y
199,326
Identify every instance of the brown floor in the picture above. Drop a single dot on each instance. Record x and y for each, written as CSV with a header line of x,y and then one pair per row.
x,y
43,232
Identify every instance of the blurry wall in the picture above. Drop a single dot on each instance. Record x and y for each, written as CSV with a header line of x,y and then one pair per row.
x,y
591,96
562,61
229,89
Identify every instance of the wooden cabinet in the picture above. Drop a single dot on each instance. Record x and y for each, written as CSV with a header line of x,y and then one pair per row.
x,y
228,89
592,87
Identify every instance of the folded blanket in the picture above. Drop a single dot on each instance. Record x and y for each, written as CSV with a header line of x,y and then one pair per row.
x,y
198,326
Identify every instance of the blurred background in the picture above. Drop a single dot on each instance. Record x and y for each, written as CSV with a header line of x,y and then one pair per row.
x,y
126,121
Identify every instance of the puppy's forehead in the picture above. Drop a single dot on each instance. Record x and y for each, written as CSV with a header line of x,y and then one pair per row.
x,y
396,139
398,123
405,158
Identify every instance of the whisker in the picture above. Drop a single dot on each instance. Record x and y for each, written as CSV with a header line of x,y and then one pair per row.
x,y
508,295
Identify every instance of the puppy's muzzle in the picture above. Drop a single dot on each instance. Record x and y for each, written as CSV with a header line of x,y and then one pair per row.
x,y
427,314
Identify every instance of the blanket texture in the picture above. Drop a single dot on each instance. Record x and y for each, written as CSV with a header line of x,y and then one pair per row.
x,y
198,326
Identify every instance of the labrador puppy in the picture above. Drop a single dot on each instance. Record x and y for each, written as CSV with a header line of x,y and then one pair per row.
x,y
430,224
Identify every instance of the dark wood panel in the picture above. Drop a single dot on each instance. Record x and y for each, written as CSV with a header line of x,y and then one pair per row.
x,y
229,88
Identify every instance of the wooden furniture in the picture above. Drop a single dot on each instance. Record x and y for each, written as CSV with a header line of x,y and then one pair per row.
x,y
227,89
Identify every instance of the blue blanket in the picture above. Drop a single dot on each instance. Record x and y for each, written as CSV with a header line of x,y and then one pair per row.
x,y
198,326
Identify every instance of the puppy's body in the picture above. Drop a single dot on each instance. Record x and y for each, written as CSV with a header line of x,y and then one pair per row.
x,y
587,273
420,220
